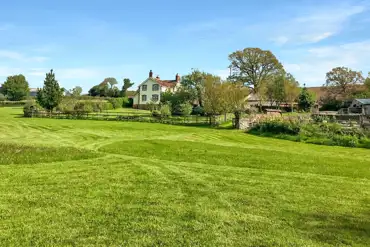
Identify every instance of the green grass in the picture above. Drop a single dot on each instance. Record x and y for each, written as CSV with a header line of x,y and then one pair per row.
x,y
103,183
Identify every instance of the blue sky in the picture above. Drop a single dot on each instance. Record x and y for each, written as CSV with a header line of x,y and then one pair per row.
x,y
86,41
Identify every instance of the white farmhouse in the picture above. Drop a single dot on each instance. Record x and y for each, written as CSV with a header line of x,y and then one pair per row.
x,y
150,90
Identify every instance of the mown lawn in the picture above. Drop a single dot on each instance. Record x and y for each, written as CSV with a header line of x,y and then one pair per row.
x,y
97,183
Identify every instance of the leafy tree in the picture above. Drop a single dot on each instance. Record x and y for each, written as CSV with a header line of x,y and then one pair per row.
x,y
341,81
186,109
109,81
305,99
15,87
253,66
76,91
126,85
113,92
193,84
94,91
214,98
291,88
275,90
51,94
367,83
2,97
235,95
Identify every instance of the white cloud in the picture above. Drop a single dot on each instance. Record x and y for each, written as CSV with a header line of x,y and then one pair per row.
x,y
13,55
314,63
321,23
223,73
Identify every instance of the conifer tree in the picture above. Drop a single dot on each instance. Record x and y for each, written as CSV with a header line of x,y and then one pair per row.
x,y
51,94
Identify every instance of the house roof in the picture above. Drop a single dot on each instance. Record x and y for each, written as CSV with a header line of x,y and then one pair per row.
x,y
167,83
364,101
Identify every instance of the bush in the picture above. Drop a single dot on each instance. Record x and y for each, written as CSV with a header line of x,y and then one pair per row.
x,y
277,126
198,110
30,108
2,97
118,102
83,107
165,111
185,109
156,113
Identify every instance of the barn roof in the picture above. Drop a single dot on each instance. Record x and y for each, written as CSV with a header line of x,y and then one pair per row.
x,y
364,101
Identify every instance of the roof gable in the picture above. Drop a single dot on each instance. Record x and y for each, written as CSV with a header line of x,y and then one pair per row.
x,y
364,101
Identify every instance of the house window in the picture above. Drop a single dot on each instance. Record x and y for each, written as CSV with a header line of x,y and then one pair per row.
x,y
155,97
144,88
143,97
155,87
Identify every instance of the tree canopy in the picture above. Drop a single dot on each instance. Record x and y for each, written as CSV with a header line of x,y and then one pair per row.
x,y
76,91
341,81
305,99
126,85
15,87
194,83
253,66
51,94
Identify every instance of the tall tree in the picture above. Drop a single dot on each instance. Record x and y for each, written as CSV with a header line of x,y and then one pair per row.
x,y
76,91
341,81
305,99
194,83
15,87
291,88
276,89
253,66
126,85
109,80
235,95
94,91
214,98
51,94
367,83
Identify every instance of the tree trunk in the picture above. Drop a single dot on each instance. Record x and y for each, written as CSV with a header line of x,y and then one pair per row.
x,y
292,107
237,119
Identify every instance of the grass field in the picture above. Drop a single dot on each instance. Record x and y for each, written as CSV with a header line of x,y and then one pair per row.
x,y
81,183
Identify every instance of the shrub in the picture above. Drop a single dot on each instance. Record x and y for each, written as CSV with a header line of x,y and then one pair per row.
x,y
165,111
118,102
83,107
277,126
185,109
2,97
156,113
30,108
198,110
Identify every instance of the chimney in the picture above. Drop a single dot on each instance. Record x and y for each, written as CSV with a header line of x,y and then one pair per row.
x,y
177,78
150,73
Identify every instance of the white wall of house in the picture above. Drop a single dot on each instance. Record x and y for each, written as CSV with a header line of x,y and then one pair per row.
x,y
150,91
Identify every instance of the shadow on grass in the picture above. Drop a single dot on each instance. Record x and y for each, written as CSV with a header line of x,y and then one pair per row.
x,y
337,230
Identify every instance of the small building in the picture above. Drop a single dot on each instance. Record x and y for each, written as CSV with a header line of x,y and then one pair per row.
x,y
360,106
33,92
149,91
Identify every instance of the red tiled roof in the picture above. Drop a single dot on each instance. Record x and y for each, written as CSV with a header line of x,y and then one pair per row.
x,y
167,83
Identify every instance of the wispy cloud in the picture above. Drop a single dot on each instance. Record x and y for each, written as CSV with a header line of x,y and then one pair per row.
x,y
315,62
13,55
319,24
